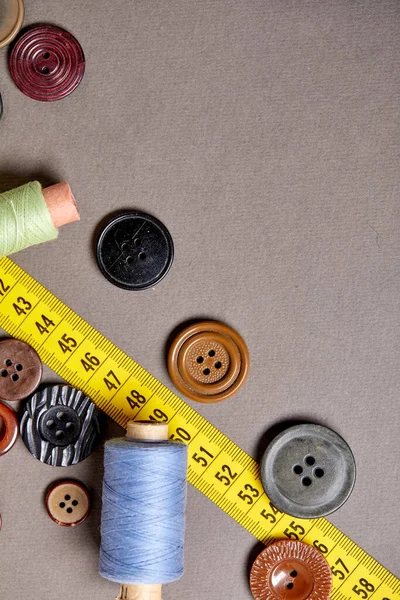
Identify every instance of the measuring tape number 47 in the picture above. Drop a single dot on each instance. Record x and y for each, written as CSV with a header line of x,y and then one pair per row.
x,y
217,467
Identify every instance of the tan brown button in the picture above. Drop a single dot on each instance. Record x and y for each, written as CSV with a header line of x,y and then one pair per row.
x,y
208,362
290,570
8,428
20,370
11,17
68,503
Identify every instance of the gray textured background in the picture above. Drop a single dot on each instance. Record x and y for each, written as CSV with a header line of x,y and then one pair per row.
x,y
265,135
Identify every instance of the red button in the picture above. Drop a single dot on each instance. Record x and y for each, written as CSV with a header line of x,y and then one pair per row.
x,y
47,63
290,570
8,428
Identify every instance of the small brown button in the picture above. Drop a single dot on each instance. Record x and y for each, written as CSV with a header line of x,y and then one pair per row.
x,y
290,570
68,503
20,370
208,362
8,428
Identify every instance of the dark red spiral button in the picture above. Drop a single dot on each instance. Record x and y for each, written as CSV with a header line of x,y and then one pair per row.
x,y
47,63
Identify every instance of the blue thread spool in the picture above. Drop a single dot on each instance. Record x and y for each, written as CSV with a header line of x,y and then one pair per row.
x,y
143,515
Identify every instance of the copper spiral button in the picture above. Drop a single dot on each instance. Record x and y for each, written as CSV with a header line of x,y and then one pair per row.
x,y
290,570
8,428
208,362
47,63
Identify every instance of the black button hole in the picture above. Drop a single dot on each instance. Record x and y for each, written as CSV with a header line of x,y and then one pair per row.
x,y
142,255
206,371
60,415
14,377
289,585
309,460
200,359
45,70
70,510
293,573
8,362
298,469
137,242
67,497
46,55
69,426
60,434
306,481
319,472
75,502
62,504
218,365
211,353
19,367
4,373
129,260
50,423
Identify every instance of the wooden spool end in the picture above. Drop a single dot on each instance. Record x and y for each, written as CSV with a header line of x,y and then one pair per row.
x,y
61,204
150,431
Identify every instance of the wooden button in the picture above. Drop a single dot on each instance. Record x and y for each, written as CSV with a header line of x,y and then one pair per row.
x,y
20,370
68,503
290,570
8,428
208,362
11,17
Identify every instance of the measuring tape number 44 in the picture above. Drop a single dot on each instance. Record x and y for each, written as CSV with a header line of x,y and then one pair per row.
x,y
217,467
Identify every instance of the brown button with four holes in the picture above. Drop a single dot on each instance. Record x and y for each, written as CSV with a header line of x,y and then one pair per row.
x,y
290,570
68,503
20,370
208,361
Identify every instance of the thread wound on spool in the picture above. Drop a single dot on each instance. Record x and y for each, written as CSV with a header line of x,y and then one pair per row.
x,y
24,219
142,525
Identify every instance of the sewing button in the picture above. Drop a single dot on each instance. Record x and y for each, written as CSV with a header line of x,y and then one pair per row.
x,y
68,503
208,361
290,570
308,471
135,251
1,107
20,370
11,17
60,425
47,63
8,428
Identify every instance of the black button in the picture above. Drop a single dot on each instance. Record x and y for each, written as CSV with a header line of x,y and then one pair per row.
x,y
308,471
60,425
135,251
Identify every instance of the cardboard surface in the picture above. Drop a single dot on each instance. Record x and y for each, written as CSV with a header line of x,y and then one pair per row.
x,y
265,135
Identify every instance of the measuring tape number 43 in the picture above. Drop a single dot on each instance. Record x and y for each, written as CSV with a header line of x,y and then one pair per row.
x,y
217,467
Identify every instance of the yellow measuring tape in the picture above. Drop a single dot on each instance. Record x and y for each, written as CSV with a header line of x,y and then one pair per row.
x,y
217,467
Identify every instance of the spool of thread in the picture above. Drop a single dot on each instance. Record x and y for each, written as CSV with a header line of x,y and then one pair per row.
x,y
143,514
30,215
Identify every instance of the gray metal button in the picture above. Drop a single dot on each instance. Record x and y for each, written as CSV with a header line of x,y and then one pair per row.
x,y
308,471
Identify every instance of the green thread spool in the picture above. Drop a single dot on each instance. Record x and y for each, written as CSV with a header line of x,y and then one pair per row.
x,y
30,215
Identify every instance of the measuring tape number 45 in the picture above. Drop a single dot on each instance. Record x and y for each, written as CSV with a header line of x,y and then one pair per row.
x,y
217,467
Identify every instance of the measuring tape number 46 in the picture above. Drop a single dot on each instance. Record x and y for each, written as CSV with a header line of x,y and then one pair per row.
x,y
217,467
